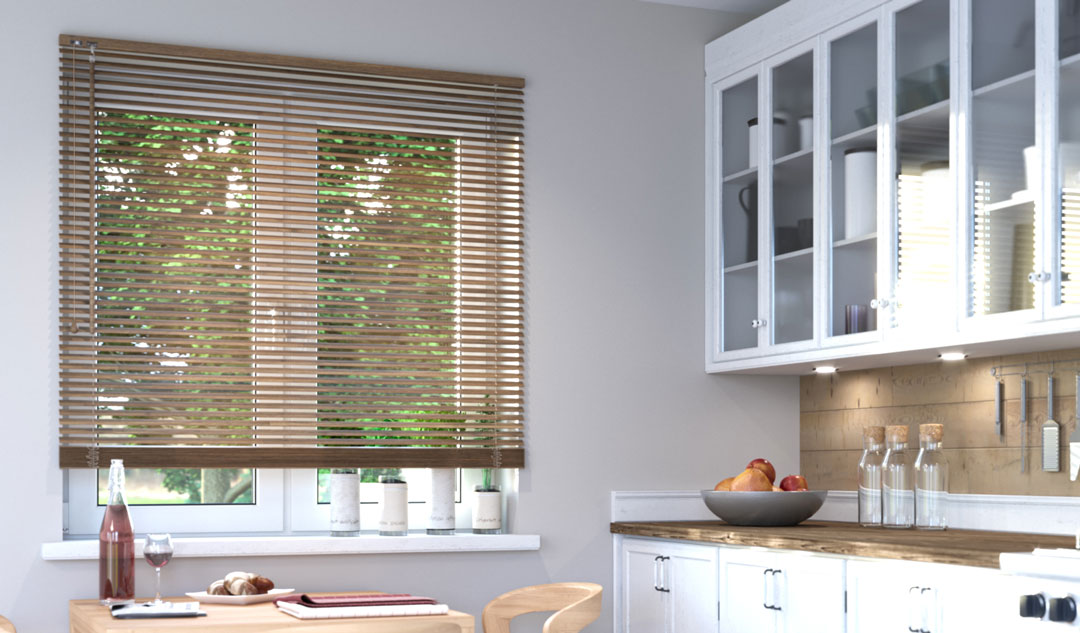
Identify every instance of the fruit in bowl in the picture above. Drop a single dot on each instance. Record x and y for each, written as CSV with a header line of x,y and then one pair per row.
x,y
793,483
751,480
764,466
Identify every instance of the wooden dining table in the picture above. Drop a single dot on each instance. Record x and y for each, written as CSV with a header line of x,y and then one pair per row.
x,y
89,616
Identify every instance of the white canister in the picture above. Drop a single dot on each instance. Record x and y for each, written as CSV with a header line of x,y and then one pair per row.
x,y
344,502
860,192
394,509
487,511
442,517
779,131
806,132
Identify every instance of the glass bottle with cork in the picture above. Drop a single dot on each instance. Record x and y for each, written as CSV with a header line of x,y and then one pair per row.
x,y
116,544
897,480
931,479
870,464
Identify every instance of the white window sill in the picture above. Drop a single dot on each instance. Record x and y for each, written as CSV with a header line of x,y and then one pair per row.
x,y
231,546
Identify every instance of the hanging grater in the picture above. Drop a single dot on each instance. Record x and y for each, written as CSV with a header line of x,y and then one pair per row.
x,y
1051,433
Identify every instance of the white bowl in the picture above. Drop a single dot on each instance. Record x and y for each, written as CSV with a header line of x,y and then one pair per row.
x,y
764,508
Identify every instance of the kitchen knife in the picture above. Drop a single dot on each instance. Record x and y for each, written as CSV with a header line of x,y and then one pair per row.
x,y
999,413
1051,433
1023,424
1074,440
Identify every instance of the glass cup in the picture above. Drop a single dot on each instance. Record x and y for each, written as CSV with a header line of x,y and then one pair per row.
x,y
158,551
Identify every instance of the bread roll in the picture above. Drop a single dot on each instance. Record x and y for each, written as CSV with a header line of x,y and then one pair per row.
x,y
262,584
233,575
217,588
240,587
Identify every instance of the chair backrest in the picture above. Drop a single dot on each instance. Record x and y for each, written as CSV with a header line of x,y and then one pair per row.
x,y
6,626
576,604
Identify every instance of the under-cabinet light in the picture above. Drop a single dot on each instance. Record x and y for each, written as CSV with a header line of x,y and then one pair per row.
x,y
825,369
952,356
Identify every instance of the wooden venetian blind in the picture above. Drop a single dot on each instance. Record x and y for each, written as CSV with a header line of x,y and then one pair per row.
x,y
283,262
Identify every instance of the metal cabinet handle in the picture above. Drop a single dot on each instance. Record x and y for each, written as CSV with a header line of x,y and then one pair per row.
x,y
663,568
911,628
876,304
924,612
656,572
758,323
775,606
765,595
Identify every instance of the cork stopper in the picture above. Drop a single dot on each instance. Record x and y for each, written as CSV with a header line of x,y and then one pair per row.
x,y
896,433
931,432
875,434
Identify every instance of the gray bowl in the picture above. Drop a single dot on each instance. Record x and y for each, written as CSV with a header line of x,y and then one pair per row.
x,y
770,509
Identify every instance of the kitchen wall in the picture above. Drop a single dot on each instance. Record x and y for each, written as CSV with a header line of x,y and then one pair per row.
x,y
960,395
616,395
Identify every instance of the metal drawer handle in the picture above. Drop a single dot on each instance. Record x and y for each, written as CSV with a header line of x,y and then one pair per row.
x,y
765,595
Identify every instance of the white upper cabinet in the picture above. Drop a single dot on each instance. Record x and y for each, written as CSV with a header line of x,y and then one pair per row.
x,y
892,179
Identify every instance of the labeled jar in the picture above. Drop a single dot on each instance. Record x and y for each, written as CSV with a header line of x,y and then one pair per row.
x,y
394,508
442,518
870,466
931,479
344,502
487,510
897,480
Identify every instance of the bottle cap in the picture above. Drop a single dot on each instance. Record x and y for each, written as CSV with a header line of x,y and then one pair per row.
x,y
931,432
875,434
896,433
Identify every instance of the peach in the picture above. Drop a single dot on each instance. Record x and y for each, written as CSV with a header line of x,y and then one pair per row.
x,y
764,466
751,480
725,484
794,482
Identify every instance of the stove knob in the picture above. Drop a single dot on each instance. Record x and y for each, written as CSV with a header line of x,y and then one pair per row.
x,y
1062,610
1032,606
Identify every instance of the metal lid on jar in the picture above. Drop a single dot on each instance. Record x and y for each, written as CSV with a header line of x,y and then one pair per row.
x,y
931,432
896,433
875,434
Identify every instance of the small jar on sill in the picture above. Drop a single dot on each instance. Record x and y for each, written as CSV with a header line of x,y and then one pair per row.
x,y
394,507
487,510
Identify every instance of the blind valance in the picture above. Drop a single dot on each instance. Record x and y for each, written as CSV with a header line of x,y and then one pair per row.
x,y
269,261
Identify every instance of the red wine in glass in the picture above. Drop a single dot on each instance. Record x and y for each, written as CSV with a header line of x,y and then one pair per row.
x,y
158,551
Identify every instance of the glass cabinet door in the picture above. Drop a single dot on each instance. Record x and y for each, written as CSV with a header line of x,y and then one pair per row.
x,y
852,124
739,216
925,198
1068,176
1004,156
792,200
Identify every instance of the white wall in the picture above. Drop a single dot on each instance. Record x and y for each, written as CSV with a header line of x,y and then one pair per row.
x,y
615,256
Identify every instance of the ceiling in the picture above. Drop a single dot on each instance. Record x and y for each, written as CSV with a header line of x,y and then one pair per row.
x,y
753,7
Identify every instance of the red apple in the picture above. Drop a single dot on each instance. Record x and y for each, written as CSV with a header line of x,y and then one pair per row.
x,y
764,466
751,480
794,482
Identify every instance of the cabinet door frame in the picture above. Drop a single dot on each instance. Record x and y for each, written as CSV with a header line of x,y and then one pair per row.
x,y
824,233
766,230
714,230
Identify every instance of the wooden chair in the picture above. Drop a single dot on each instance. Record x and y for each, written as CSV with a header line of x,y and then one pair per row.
x,y
6,626
576,604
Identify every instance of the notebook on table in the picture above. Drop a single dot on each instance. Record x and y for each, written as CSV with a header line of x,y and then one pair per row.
x,y
370,605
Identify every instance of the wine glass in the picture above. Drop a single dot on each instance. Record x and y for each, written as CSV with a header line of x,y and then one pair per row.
x,y
158,551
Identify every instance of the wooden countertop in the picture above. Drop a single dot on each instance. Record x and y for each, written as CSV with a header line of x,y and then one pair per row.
x,y
975,548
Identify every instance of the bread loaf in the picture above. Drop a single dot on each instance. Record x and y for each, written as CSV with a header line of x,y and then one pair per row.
x,y
217,588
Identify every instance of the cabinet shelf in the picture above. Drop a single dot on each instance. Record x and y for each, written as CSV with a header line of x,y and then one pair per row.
x,y
793,255
745,266
743,177
1022,85
933,115
794,158
867,136
855,241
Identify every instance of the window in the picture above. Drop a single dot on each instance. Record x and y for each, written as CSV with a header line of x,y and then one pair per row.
x,y
271,262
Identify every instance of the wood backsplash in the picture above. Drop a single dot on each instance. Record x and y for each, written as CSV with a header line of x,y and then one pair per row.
x,y
960,395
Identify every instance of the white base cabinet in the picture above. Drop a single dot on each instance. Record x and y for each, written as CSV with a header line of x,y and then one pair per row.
x,y
782,592
888,596
665,587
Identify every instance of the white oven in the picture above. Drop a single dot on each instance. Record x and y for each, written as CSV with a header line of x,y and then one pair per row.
x,y
1046,587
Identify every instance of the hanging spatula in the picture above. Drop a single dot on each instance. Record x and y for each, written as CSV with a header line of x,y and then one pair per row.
x,y
1051,433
